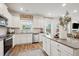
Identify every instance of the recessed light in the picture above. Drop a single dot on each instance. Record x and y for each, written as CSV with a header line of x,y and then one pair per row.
x,y
21,8
75,11
64,4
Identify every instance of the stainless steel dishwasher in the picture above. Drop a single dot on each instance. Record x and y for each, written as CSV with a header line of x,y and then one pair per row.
x,y
35,37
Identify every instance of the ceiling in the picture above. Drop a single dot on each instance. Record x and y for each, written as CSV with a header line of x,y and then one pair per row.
x,y
46,9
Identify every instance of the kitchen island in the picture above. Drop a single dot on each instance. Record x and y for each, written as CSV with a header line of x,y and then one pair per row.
x,y
61,47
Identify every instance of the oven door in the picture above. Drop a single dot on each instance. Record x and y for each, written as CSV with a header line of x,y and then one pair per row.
x,y
7,45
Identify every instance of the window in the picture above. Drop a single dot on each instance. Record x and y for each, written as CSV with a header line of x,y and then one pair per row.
x,y
26,25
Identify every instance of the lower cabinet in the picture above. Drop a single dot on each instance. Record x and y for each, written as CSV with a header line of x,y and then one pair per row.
x,y
1,48
54,51
58,49
22,39
46,45
53,48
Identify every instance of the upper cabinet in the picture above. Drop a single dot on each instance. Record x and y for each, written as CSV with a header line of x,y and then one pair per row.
x,y
38,22
13,20
4,12
10,20
16,21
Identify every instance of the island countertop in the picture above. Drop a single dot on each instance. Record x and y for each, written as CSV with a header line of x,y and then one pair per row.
x,y
72,43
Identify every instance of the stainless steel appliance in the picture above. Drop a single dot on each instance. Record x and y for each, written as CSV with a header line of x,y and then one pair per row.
x,y
3,21
8,41
35,38
7,44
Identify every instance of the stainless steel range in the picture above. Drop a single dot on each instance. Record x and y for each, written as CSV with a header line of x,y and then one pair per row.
x,y
8,41
3,34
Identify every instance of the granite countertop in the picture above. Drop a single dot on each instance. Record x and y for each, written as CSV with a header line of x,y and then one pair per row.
x,y
1,39
6,37
72,43
28,33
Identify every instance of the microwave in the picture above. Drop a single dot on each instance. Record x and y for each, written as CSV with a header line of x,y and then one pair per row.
x,y
3,21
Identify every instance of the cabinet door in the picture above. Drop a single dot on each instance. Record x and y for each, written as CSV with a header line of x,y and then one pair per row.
x,y
44,44
10,20
38,22
48,46
1,48
1,51
17,39
29,38
23,39
16,21
65,54
54,51
1,9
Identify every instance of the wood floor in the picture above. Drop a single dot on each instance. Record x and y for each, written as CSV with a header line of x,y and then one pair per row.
x,y
25,47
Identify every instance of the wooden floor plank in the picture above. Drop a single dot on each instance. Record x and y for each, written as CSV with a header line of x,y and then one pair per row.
x,y
25,47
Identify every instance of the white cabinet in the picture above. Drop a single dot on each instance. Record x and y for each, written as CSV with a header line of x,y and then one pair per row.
x,y
16,21
38,22
29,38
54,49
3,9
46,45
22,39
58,49
13,21
5,13
1,48
10,20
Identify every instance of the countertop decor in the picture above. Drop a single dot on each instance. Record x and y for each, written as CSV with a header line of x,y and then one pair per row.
x,y
65,20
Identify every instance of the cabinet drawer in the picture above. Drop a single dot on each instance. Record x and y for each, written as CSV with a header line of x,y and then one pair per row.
x,y
66,49
64,53
1,51
54,44
54,51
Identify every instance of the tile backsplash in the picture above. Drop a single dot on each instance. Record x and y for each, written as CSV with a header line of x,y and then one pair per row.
x,y
3,31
